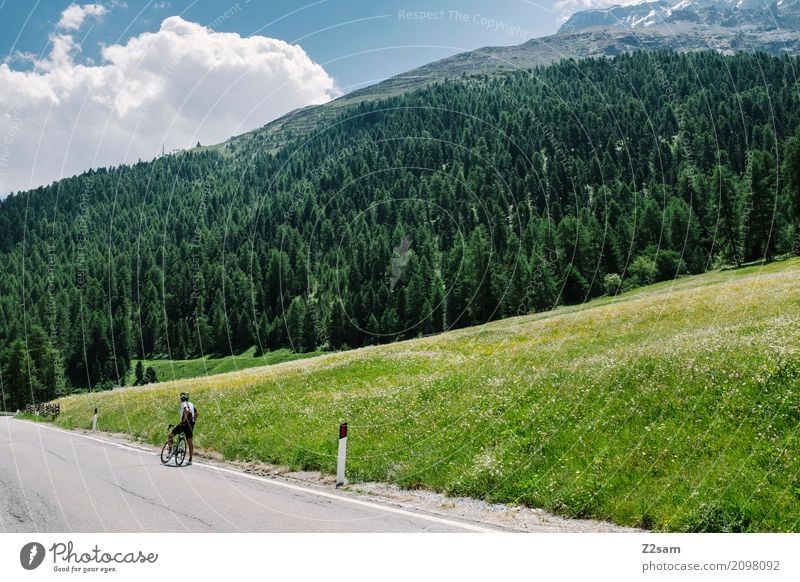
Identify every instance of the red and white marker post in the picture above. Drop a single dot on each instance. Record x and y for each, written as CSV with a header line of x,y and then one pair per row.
x,y
342,454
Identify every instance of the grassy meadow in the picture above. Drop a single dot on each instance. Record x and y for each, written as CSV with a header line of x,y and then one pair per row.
x,y
673,407
167,370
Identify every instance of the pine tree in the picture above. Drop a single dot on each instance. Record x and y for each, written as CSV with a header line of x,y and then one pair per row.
x,y
294,321
728,212
150,376
476,275
791,172
337,323
46,363
311,324
139,373
761,194
20,383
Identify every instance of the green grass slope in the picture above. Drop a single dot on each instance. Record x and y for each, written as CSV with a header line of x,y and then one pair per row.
x,y
673,407
180,369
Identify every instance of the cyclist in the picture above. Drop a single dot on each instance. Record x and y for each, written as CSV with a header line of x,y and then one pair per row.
x,y
188,418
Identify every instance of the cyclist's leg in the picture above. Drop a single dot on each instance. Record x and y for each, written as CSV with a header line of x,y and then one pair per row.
x,y
189,431
173,432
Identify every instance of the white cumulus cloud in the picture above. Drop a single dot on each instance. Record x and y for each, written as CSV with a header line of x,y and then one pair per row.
x,y
182,84
72,18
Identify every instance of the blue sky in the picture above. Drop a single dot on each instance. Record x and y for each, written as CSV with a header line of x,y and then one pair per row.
x,y
357,41
103,82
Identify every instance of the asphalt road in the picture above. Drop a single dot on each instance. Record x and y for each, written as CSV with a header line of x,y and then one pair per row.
x,y
53,480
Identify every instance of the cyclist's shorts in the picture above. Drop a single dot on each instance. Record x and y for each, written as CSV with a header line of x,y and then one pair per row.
x,y
185,428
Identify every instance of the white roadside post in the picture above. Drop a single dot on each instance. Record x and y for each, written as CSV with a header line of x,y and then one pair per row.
x,y
94,421
342,454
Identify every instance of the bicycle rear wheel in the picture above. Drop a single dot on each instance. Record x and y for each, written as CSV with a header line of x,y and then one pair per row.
x,y
166,453
180,451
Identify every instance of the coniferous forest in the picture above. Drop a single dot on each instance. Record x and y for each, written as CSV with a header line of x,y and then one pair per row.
x,y
469,200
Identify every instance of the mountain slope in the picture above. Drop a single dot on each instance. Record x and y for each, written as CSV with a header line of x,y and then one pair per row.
x,y
639,15
462,202
650,25
674,408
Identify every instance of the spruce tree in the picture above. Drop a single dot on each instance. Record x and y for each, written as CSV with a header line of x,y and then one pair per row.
x,y
139,373
762,202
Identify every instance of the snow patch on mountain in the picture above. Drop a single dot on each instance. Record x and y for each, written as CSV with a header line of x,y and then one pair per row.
x,y
762,14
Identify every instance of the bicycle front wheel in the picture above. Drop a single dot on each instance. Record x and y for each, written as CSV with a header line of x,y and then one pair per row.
x,y
166,453
180,452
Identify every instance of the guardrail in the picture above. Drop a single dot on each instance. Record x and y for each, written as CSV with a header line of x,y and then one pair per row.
x,y
4,413
45,409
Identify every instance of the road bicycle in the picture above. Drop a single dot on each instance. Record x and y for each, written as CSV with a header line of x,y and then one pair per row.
x,y
178,451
